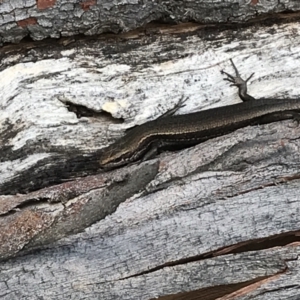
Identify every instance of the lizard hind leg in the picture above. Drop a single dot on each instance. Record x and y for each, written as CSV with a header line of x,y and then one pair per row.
x,y
239,82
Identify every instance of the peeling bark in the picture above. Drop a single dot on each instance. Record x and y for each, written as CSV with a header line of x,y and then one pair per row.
x,y
40,19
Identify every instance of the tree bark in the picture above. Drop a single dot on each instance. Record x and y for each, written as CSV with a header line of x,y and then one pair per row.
x,y
40,19
217,220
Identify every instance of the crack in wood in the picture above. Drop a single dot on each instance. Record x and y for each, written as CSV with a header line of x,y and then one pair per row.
x,y
279,240
214,292
83,111
26,204
254,286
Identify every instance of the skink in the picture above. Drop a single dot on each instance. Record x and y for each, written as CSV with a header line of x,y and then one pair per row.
x,y
184,130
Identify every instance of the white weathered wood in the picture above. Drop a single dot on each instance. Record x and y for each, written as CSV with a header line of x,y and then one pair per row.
x,y
178,210
34,94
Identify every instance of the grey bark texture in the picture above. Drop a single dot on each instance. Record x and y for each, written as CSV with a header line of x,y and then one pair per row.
x,y
219,220
40,19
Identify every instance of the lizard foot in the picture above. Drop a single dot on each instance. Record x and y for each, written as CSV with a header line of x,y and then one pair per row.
x,y
239,82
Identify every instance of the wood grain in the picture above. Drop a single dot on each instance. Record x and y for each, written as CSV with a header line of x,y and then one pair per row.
x,y
224,213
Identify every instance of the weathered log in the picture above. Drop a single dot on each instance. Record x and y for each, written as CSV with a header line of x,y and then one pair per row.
x,y
220,219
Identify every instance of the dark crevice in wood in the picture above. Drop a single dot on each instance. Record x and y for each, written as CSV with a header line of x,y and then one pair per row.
x,y
28,203
279,240
8,132
53,170
83,111
212,293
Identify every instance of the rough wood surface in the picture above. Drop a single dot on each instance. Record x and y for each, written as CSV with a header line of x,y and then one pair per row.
x,y
40,19
220,219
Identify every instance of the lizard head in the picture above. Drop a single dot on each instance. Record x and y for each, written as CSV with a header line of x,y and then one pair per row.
x,y
113,157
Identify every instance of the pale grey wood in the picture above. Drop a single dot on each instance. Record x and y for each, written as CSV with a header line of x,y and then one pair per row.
x,y
279,266
176,211
41,19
